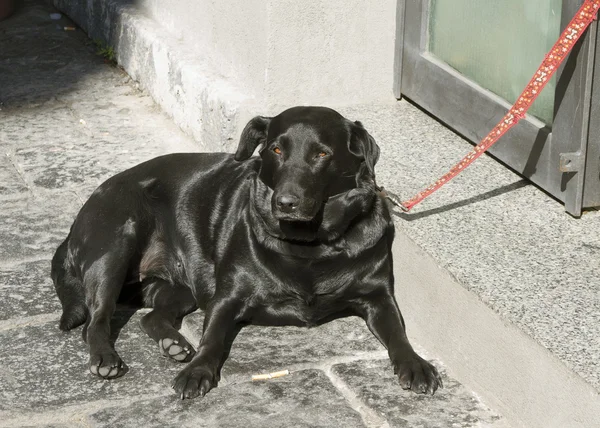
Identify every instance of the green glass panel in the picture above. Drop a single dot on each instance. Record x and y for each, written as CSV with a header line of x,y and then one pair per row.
x,y
497,43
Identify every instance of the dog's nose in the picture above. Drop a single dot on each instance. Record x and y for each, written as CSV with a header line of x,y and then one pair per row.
x,y
287,203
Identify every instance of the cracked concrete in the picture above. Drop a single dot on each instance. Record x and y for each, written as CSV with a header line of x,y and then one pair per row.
x,y
69,121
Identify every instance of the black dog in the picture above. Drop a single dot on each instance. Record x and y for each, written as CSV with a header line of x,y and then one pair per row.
x,y
298,236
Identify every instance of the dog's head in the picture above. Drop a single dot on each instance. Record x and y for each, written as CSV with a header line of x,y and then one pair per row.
x,y
308,155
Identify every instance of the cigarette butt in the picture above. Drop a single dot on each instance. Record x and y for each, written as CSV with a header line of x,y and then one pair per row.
x,y
261,377
280,374
268,376
69,28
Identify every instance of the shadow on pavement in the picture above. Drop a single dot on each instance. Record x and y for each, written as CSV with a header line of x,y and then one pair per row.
x,y
479,198
43,55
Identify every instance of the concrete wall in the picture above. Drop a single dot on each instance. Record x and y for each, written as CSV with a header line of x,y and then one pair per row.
x,y
230,35
324,51
286,52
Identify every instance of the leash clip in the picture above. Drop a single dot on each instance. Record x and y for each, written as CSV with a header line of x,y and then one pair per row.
x,y
392,197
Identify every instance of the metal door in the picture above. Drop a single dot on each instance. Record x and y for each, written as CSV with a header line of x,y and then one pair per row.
x,y
559,150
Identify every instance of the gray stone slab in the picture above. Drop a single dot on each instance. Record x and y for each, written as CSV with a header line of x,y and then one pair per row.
x,y
50,124
302,399
50,148
259,349
53,67
70,424
26,289
83,143
506,241
12,186
44,368
56,167
35,226
452,406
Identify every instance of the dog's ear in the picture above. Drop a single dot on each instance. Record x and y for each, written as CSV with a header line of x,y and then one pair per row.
x,y
363,145
254,133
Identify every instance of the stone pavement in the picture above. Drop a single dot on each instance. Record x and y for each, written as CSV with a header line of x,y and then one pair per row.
x,y
69,120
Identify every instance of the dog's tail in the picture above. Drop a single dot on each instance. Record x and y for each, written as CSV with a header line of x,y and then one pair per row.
x,y
69,289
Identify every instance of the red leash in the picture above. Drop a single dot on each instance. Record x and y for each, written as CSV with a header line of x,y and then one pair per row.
x,y
582,19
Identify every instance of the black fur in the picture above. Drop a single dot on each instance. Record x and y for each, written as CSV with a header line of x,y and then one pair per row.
x,y
297,236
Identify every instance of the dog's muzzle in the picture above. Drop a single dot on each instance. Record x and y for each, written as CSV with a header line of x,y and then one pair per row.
x,y
290,207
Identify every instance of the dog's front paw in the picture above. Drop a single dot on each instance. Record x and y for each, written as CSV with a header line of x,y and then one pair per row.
x,y
194,380
418,375
107,365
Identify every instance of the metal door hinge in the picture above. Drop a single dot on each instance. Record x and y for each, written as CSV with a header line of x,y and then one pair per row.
x,y
571,162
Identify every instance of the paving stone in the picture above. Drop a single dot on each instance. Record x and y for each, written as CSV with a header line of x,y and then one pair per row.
x,y
55,60
34,227
259,349
49,149
62,166
302,399
70,424
12,185
26,289
52,124
75,148
452,406
44,368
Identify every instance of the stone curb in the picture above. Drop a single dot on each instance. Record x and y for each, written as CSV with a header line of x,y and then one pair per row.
x,y
513,373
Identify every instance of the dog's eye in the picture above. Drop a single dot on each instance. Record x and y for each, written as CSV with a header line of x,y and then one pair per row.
x,y
323,154
277,150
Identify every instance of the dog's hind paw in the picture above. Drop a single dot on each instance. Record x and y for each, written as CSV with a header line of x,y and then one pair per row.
x,y
106,365
176,349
